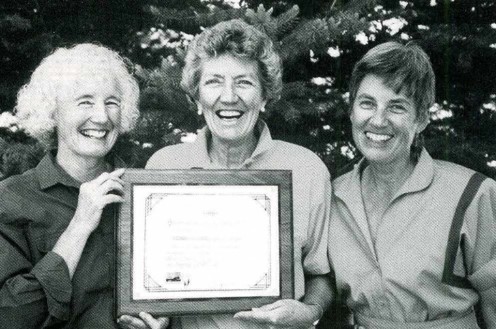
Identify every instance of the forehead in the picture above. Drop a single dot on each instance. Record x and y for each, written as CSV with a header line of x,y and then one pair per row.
x,y
92,83
377,87
228,65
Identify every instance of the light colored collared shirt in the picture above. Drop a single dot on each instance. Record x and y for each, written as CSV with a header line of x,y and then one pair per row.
x,y
404,276
311,204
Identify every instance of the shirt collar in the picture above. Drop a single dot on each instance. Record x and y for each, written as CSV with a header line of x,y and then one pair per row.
x,y
201,144
50,173
420,179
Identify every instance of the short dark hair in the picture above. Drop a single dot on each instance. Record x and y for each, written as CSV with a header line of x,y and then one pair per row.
x,y
404,68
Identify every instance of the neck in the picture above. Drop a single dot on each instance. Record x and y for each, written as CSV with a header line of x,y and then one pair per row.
x,y
81,169
230,154
387,179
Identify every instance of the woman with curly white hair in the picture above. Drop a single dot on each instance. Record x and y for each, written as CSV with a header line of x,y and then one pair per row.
x,y
56,220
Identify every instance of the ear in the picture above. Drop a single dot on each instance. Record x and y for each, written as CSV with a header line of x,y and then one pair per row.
x,y
264,102
199,108
422,124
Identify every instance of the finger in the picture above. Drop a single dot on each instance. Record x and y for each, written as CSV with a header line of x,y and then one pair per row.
x,y
111,185
153,323
112,198
131,322
102,178
118,172
164,322
273,306
255,315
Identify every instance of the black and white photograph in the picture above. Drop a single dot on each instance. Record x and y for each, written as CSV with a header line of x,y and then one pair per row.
x,y
248,164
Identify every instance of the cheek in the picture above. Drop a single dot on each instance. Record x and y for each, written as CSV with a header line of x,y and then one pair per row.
x,y
116,117
357,118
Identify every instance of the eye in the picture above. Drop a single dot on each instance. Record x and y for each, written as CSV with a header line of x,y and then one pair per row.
x,y
85,103
366,104
245,82
212,81
397,108
113,103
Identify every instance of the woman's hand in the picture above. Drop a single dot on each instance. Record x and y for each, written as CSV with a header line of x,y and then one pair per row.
x,y
285,313
145,321
94,196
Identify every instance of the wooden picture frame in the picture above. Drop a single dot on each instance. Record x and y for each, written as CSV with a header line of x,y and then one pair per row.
x,y
203,241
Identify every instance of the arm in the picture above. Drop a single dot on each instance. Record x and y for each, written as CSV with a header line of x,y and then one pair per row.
x,y
319,292
31,295
318,287
37,293
481,215
93,197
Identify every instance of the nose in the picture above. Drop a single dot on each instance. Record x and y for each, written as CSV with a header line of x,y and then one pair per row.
x,y
99,113
228,94
379,117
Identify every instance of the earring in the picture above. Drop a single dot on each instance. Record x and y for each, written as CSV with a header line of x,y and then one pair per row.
x,y
262,109
199,111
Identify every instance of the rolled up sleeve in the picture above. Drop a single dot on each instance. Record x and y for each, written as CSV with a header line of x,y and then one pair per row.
x,y
315,259
31,295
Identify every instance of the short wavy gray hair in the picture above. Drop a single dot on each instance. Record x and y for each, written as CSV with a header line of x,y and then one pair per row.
x,y
239,39
37,100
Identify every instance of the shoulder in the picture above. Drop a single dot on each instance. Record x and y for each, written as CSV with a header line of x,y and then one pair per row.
x,y
342,180
19,183
17,191
170,156
451,174
300,156
449,168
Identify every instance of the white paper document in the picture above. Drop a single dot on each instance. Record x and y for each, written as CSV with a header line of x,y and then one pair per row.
x,y
205,241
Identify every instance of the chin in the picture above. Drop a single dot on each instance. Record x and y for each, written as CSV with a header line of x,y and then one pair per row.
x,y
95,151
382,157
231,135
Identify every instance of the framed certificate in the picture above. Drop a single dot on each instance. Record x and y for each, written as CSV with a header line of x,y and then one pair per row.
x,y
203,241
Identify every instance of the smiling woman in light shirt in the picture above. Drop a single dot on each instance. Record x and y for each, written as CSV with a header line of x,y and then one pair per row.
x,y
412,240
232,72
57,220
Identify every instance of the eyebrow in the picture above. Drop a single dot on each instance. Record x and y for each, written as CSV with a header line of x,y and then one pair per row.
x,y
216,75
394,100
84,96
401,100
365,95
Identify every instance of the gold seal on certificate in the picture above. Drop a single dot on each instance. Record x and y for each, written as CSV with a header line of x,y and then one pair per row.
x,y
198,241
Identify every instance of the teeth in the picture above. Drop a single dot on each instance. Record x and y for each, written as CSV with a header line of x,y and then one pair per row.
x,y
93,133
378,137
229,114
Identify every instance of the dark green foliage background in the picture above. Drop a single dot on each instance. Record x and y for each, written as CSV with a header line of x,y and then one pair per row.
x,y
457,35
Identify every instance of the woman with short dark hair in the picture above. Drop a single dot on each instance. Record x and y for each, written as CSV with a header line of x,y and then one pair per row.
x,y
412,240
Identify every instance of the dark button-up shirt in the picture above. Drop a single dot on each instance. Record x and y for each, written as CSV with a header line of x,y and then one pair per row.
x,y
35,288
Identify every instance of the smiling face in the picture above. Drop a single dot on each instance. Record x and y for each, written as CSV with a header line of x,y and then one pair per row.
x,y
384,123
230,96
88,117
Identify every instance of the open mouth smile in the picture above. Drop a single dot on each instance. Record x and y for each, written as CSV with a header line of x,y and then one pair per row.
x,y
229,114
378,137
94,133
